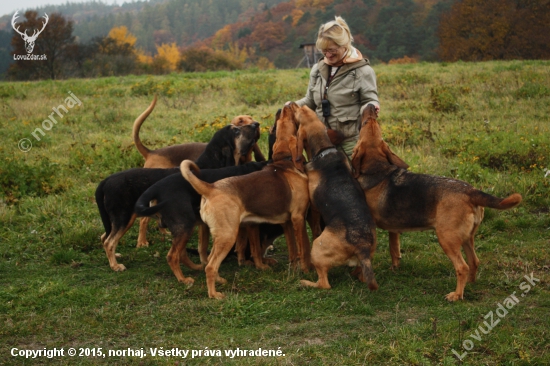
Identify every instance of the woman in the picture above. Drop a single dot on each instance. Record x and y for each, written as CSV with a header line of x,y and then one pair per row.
x,y
341,84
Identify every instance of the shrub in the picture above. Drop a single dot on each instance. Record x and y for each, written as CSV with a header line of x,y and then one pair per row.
x,y
19,179
204,59
257,89
442,99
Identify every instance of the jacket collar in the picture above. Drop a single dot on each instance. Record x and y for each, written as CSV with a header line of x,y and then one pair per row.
x,y
324,68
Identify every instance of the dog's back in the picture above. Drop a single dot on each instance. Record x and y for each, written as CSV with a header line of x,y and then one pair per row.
x,y
341,202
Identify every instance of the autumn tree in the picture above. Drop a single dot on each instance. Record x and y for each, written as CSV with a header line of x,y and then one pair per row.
x,y
170,53
53,42
478,30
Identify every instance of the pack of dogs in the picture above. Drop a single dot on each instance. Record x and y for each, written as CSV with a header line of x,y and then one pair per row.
x,y
245,205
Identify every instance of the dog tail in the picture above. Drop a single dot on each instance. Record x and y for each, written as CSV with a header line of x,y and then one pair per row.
x,y
142,207
187,167
144,151
100,201
486,200
363,253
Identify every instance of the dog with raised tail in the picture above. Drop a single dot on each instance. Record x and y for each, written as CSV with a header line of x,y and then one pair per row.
x,y
402,201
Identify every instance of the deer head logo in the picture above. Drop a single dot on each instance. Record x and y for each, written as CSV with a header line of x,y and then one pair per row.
x,y
29,40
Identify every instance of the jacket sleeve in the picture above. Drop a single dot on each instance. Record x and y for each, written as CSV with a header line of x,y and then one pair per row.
x,y
368,91
308,99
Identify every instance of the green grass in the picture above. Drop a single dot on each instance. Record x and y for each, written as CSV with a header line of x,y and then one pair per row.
x,y
486,123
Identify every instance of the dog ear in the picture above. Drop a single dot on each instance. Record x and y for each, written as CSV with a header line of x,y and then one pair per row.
x,y
228,156
392,158
336,137
357,160
301,137
297,157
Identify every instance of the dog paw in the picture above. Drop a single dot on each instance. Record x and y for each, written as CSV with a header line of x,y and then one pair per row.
x,y
270,261
307,283
142,244
246,263
221,280
263,267
314,284
119,267
118,255
453,296
187,281
216,295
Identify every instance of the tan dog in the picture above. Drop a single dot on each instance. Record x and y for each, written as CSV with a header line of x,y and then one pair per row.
x,y
403,201
172,156
349,236
277,194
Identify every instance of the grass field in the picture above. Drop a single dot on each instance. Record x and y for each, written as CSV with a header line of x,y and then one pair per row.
x,y
486,123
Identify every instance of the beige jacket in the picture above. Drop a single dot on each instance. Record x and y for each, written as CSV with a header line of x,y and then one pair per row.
x,y
351,89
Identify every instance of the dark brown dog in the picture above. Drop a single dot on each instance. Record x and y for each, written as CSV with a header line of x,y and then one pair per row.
x,y
277,194
403,201
349,236
172,156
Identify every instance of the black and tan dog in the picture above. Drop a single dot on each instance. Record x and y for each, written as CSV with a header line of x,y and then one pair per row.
x,y
349,235
172,156
402,201
178,206
117,194
277,194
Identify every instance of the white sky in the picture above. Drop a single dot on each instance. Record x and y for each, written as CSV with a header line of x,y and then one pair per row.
x,y
9,7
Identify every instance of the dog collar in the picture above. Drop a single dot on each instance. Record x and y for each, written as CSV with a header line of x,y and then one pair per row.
x,y
324,153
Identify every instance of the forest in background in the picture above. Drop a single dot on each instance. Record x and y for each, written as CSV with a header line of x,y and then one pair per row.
x,y
193,35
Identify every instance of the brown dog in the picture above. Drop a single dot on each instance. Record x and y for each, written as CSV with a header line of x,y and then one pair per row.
x,y
403,201
172,156
349,236
277,194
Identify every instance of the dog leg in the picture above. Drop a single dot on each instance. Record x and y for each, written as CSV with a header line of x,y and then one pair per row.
x,y
321,258
176,251
240,246
291,243
451,244
395,250
253,233
204,236
304,249
223,242
314,221
473,260
469,248
142,237
266,246
110,245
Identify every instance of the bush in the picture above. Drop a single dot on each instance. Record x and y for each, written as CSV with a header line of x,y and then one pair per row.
x,y
442,99
258,89
203,59
19,179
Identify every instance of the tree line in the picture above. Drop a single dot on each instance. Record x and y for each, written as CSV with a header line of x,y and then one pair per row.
x,y
266,37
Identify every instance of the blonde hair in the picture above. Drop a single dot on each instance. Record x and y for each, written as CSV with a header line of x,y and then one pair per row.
x,y
336,31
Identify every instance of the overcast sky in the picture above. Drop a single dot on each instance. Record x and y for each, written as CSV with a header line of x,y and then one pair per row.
x,y
8,7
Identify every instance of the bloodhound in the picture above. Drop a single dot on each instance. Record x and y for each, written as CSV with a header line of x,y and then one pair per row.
x,y
277,194
349,236
402,201
172,156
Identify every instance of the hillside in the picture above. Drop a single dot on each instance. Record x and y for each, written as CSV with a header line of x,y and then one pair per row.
x,y
486,123
156,21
